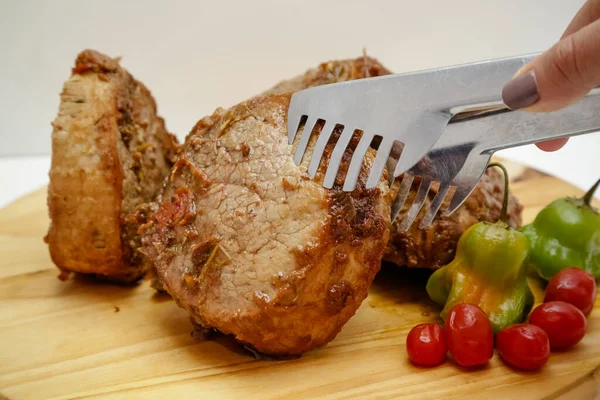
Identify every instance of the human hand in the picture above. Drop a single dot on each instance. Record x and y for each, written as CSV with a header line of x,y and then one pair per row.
x,y
563,74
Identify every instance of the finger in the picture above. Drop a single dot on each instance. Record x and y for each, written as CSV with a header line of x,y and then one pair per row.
x,y
587,14
560,76
552,145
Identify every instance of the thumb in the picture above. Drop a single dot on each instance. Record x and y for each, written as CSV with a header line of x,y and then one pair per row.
x,y
560,76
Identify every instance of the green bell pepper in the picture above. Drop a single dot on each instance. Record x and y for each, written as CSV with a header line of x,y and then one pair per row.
x,y
489,270
566,233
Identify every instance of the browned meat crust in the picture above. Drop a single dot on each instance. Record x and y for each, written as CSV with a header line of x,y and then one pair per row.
x,y
249,245
332,72
434,246
110,154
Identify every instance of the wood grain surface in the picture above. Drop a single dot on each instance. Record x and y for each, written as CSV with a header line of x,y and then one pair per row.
x,y
86,339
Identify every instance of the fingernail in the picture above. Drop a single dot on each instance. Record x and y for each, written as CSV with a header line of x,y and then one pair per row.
x,y
521,91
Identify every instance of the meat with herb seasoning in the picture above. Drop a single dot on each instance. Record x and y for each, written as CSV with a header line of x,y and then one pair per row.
x,y
110,155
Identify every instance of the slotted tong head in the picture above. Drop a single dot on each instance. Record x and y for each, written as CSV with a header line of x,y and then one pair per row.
x,y
441,125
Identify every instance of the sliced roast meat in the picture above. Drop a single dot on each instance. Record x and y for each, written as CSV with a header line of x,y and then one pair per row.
x,y
250,246
110,156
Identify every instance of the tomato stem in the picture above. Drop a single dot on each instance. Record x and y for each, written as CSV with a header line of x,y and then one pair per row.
x,y
504,212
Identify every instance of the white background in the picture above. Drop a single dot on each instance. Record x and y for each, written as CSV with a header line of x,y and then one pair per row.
x,y
196,56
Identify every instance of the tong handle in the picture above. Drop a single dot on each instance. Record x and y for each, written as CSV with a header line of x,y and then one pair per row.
x,y
526,127
494,127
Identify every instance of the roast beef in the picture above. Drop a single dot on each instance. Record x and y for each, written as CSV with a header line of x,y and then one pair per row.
x,y
110,155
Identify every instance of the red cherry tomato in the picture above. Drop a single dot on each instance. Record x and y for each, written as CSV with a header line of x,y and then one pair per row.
x,y
469,335
564,323
574,286
426,344
523,346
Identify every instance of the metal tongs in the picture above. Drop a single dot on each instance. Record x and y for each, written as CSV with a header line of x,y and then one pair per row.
x,y
441,125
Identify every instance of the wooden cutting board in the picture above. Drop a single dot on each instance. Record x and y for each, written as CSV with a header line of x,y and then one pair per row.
x,y
85,339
